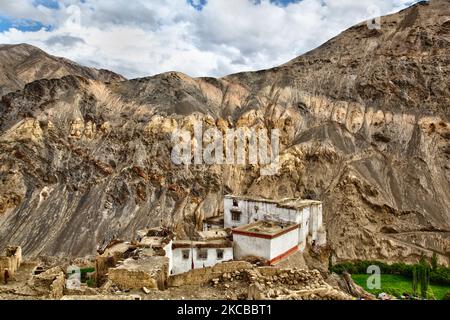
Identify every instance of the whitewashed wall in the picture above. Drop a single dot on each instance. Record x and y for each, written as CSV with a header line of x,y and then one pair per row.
x,y
169,255
268,249
245,246
283,243
251,211
181,265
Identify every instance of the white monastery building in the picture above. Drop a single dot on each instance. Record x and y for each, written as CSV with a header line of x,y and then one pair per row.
x,y
188,255
251,227
272,241
240,211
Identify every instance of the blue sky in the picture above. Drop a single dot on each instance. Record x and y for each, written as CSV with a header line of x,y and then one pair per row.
x,y
53,4
198,37
8,22
27,25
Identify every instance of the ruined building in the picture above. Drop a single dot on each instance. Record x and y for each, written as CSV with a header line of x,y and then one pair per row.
x,y
10,260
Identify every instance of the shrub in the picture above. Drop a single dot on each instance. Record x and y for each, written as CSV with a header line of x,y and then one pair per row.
x,y
434,262
441,275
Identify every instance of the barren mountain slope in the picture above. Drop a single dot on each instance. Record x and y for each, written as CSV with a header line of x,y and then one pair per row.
x,y
365,128
21,64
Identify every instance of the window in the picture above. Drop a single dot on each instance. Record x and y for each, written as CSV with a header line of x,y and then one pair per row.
x,y
219,254
202,254
235,203
186,254
235,216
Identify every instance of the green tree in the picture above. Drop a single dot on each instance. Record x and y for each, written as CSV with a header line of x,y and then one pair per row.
x,y
424,277
415,280
434,262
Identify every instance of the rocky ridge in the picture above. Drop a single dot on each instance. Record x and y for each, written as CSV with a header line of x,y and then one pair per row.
x,y
23,63
365,128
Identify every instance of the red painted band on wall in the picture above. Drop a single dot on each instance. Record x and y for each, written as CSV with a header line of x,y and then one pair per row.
x,y
283,255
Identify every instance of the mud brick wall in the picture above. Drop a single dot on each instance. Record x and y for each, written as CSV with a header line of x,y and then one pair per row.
x,y
11,261
133,279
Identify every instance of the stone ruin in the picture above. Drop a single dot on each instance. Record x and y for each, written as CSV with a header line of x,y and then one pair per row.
x,y
11,261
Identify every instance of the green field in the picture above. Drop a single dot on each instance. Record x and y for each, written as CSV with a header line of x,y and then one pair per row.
x,y
397,285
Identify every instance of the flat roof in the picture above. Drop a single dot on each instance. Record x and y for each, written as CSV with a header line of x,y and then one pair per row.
x,y
202,244
116,247
215,220
266,229
154,241
289,203
213,234
155,232
148,264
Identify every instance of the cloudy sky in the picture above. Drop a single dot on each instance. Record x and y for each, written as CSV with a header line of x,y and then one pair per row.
x,y
199,37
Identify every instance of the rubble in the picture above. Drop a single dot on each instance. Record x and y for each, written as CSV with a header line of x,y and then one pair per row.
x,y
272,283
50,283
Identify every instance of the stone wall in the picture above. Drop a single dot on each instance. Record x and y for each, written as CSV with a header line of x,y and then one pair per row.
x,y
266,283
132,279
50,283
148,272
204,275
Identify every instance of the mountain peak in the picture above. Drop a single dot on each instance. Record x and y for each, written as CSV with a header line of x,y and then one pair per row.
x,y
24,63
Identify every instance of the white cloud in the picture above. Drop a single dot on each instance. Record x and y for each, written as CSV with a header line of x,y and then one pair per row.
x,y
141,38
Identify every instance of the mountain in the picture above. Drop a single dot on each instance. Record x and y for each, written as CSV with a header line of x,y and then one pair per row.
x,y
364,122
22,63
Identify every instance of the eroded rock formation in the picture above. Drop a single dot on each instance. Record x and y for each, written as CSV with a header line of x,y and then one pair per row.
x,y
364,122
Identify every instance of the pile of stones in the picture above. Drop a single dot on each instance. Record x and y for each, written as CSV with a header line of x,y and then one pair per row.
x,y
273,278
226,278
271,283
296,278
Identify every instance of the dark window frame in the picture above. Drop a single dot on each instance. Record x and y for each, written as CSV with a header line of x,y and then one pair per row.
x,y
202,254
220,254
186,254
236,216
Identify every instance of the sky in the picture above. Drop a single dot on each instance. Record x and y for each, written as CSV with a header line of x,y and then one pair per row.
x,y
138,38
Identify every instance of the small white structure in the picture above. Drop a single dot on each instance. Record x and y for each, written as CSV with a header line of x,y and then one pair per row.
x,y
270,240
240,211
188,255
73,280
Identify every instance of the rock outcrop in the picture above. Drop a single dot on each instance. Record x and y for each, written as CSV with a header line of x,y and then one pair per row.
x,y
364,122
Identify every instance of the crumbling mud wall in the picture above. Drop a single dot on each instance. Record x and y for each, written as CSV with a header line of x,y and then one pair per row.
x,y
102,266
10,261
148,272
50,283
133,279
